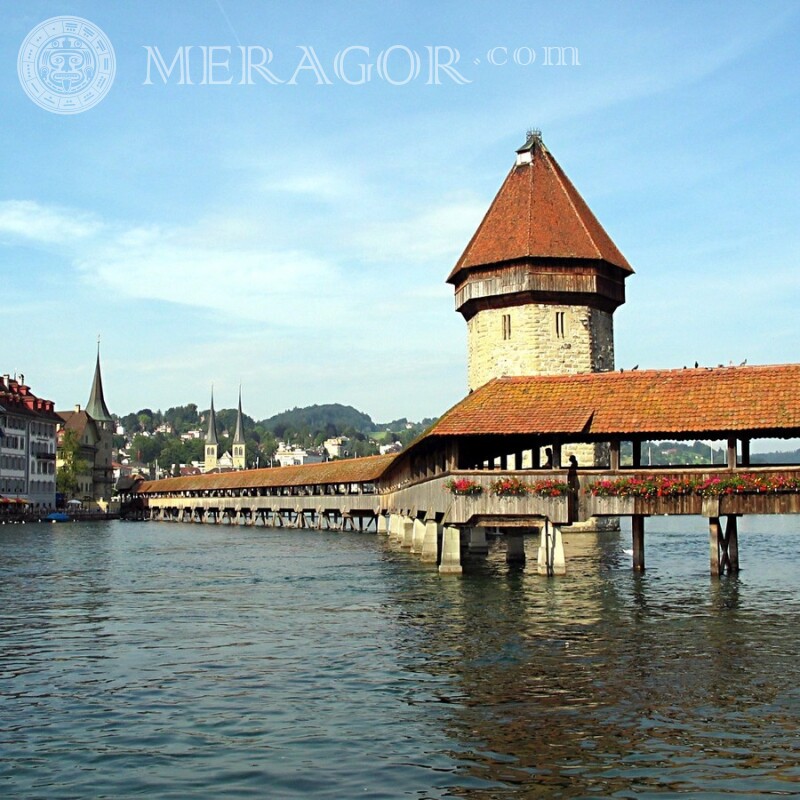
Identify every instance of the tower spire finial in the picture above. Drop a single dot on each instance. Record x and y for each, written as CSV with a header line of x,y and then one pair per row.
x,y
96,407
533,140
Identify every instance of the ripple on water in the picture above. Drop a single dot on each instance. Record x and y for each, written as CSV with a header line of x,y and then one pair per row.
x,y
180,660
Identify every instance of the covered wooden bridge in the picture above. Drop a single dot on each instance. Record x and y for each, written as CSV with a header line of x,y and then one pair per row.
x,y
482,467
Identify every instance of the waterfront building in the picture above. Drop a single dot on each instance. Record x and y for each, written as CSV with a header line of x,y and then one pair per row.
x,y
27,445
94,427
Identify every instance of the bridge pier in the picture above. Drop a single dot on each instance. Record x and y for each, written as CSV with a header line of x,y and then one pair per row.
x,y
515,548
407,533
551,551
724,546
383,523
450,563
477,541
417,536
430,542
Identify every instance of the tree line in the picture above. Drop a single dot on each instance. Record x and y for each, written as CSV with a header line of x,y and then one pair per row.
x,y
156,436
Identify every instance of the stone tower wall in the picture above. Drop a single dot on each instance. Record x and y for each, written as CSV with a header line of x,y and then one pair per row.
x,y
538,339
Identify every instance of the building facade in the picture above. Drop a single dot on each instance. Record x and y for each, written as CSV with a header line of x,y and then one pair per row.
x,y
214,462
27,445
94,427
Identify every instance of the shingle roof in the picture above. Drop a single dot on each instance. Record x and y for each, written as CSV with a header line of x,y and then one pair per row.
x,y
538,213
76,420
691,401
351,470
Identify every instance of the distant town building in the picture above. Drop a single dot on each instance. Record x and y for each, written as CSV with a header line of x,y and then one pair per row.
x,y
391,447
288,455
214,462
334,446
27,445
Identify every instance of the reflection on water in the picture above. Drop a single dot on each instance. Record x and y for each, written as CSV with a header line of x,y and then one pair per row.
x,y
180,660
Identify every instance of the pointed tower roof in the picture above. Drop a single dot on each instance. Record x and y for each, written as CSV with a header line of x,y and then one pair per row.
x,y
211,436
96,408
538,214
239,435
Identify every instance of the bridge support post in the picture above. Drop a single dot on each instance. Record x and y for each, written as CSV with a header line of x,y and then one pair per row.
x,y
430,544
515,548
417,536
451,551
407,533
395,532
383,523
724,546
477,541
551,551
714,535
637,533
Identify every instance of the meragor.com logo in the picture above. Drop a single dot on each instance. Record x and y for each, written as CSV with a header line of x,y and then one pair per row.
x,y
66,65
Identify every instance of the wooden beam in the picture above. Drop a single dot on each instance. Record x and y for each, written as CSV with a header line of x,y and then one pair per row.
x,y
732,453
614,455
636,447
745,452
714,534
637,531
730,543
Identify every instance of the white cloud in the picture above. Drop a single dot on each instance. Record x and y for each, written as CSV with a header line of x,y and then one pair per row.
x,y
224,274
220,264
436,234
31,221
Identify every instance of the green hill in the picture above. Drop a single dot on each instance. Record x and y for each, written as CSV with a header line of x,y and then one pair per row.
x,y
331,417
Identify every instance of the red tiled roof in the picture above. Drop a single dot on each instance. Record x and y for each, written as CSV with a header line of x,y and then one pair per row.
x,y
689,401
538,213
350,470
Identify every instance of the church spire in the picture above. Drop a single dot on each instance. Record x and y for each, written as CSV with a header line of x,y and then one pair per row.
x,y
211,436
239,447
96,408
239,435
212,445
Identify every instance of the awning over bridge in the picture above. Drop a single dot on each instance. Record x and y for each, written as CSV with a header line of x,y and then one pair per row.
x,y
756,401
352,470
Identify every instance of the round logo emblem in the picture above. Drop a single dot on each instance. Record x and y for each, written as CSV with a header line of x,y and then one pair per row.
x,y
66,65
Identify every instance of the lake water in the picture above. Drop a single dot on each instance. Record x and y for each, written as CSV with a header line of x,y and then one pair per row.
x,y
171,661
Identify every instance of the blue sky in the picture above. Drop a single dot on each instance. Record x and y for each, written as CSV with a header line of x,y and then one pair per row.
x,y
295,237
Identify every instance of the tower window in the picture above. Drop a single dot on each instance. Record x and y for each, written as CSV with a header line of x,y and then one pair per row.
x,y
560,324
506,326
